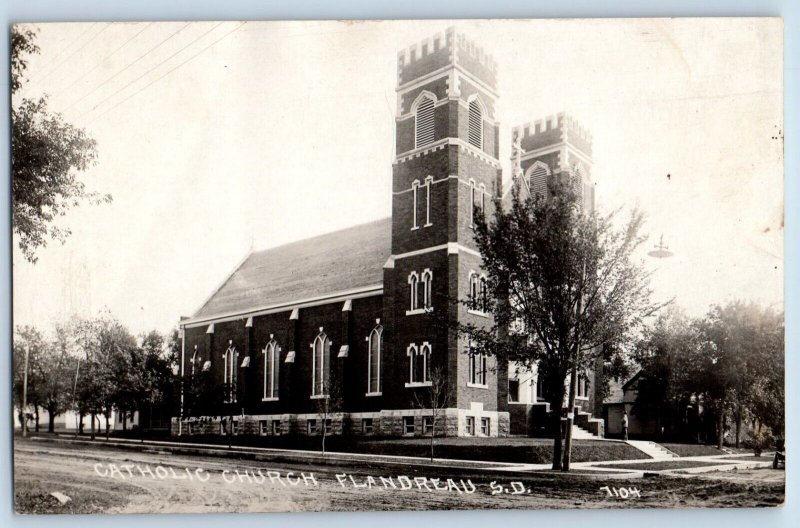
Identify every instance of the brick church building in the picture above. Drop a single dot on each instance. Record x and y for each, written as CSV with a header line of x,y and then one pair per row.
x,y
354,313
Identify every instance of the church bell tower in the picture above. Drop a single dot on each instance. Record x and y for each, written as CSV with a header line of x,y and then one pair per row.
x,y
445,172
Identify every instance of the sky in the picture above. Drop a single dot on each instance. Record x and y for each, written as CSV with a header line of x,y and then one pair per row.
x,y
215,138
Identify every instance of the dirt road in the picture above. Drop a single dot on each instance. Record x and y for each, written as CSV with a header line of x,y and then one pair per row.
x,y
105,479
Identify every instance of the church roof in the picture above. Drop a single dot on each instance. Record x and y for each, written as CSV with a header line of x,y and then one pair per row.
x,y
327,265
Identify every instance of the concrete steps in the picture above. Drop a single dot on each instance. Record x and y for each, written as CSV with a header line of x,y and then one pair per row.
x,y
655,451
579,433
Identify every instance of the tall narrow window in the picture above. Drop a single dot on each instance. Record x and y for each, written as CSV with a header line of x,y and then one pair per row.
x,y
475,124
229,374
374,360
319,364
424,123
425,357
478,293
477,366
271,372
428,182
413,286
195,359
483,296
472,194
418,363
427,289
415,204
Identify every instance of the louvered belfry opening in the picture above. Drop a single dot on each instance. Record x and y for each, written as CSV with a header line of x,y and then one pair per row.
x,y
475,125
538,181
424,123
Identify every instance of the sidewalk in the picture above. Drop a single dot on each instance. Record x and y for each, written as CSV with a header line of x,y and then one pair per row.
x,y
706,463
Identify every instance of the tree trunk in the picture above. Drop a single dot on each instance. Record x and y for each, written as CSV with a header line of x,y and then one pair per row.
x,y
36,417
573,382
108,417
738,423
433,433
557,409
720,428
92,418
124,421
51,421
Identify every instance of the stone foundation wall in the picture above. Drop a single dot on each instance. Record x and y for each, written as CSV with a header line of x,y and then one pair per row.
x,y
393,423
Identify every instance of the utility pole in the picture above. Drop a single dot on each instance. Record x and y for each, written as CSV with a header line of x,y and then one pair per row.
x,y
75,399
25,394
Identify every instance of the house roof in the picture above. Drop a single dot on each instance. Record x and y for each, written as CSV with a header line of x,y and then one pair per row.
x,y
318,267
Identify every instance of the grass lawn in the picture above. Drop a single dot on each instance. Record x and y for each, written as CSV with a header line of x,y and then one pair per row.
x,y
751,458
660,466
510,449
694,449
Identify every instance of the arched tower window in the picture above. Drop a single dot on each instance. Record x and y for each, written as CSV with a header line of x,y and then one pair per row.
x,y
413,286
477,197
478,294
419,363
538,176
375,341
271,369
476,123
427,289
424,121
319,367
477,366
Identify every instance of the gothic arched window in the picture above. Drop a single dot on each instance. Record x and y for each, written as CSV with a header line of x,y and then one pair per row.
x,y
319,372
375,341
229,373
476,124
271,370
418,363
427,289
478,293
413,286
424,122
477,366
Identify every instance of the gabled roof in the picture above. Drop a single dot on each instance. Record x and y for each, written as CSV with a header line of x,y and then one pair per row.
x,y
325,265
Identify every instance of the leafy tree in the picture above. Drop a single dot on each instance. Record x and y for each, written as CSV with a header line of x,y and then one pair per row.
x,y
46,154
55,390
563,288
744,369
29,340
667,356
107,374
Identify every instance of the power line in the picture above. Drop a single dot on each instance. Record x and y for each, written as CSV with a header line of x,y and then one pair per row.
x,y
154,67
168,72
108,25
128,66
101,61
64,50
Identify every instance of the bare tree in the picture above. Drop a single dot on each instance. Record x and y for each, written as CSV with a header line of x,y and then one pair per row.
x,y
435,398
329,405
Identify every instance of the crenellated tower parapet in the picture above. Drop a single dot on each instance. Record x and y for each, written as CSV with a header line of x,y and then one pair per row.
x,y
557,146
